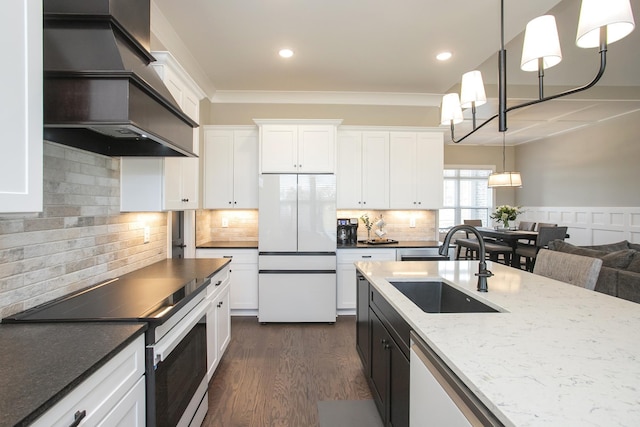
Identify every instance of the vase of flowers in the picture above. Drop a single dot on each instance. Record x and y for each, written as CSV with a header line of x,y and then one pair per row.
x,y
506,213
368,224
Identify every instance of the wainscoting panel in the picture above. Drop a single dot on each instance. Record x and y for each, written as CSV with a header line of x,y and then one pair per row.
x,y
590,225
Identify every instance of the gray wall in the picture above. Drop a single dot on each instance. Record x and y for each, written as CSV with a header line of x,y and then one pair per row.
x,y
594,166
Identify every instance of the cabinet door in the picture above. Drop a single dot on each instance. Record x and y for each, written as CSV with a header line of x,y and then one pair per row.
x,y
21,119
278,148
218,169
403,165
363,331
180,183
223,321
429,170
130,411
380,341
349,170
245,169
244,286
398,388
375,170
212,341
316,148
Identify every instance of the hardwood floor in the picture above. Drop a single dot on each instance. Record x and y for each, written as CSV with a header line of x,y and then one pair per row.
x,y
275,374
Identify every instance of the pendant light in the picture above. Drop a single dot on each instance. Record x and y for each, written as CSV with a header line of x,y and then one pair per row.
x,y
600,23
504,178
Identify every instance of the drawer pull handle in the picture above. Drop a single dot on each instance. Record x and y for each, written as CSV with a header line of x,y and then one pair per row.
x,y
219,282
77,417
366,256
227,256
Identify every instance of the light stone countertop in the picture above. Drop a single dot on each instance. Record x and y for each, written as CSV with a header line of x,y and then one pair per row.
x,y
557,354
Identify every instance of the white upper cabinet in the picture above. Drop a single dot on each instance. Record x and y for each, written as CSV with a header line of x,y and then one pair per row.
x,y
230,167
416,165
297,146
21,120
167,183
363,170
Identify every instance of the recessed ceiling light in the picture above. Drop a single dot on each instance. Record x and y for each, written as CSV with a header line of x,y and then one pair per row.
x,y
443,56
285,53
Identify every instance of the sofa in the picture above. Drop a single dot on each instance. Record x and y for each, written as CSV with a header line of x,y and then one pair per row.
x,y
620,273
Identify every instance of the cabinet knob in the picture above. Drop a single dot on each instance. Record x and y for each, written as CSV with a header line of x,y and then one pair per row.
x,y
364,203
383,341
387,346
229,201
419,203
235,203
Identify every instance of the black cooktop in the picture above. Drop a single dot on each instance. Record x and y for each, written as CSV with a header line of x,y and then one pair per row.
x,y
120,299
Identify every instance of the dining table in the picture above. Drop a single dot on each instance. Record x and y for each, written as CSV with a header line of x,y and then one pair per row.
x,y
510,237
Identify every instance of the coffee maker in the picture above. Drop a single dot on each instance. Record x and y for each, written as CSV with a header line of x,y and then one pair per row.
x,y
347,231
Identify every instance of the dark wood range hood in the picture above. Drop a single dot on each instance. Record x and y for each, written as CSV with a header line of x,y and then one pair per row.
x,y
100,93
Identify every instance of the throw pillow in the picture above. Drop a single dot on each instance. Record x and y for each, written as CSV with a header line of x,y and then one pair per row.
x,y
619,260
634,265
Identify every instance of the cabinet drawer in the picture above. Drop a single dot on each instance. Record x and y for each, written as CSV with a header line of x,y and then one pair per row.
x,y
102,391
218,281
349,256
238,256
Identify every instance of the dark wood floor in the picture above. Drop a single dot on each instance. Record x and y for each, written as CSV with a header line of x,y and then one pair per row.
x,y
275,374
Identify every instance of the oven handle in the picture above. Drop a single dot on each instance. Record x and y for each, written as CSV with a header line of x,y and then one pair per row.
x,y
170,341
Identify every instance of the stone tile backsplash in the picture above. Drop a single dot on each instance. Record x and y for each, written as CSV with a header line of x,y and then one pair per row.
x,y
243,225
81,238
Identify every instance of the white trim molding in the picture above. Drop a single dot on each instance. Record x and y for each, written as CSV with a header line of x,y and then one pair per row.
x,y
327,98
590,225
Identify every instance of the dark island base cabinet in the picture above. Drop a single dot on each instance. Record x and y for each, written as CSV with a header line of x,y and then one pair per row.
x,y
384,351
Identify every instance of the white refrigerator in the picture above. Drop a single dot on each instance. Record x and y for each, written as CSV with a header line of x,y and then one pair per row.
x,y
297,248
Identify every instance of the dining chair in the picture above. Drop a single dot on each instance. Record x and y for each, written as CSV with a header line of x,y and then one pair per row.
x,y
530,251
545,224
526,226
576,270
470,244
493,248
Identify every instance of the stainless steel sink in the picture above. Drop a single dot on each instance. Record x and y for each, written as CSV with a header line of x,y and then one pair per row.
x,y
440,297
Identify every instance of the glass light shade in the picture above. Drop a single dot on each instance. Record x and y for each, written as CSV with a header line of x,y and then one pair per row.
x,y
616,15
505,179
450,109
541,41
472,89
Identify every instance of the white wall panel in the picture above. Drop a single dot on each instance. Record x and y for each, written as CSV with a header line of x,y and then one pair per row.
x,y
590,225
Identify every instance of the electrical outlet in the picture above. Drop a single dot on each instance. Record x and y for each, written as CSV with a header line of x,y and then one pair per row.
x,y
147,234
412,222
225,222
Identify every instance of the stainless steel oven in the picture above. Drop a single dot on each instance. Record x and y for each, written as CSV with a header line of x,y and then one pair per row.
x,y
177,369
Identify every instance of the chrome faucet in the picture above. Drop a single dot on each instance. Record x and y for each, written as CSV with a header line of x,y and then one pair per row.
x,y
482,273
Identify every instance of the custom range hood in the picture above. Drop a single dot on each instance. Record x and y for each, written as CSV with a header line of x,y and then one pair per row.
x,y
100,94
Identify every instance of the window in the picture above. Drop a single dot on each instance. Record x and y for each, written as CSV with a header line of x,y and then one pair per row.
x,y
466,196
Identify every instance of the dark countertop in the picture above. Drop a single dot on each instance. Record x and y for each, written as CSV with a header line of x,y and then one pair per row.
x,y
254,245
400,244
228,245
41,363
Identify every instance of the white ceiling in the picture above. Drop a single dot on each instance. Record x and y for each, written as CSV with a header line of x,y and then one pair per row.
x,y
372,50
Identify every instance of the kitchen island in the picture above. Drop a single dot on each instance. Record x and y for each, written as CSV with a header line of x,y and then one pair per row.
x,y
554,354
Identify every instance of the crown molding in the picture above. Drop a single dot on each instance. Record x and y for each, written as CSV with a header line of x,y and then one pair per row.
x,y
332,98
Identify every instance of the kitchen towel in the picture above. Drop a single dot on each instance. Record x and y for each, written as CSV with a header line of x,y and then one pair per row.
x,y
348,413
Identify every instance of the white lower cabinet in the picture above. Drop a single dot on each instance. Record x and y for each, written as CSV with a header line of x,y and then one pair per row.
x,y
243,294
218,320
112,396
346,273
